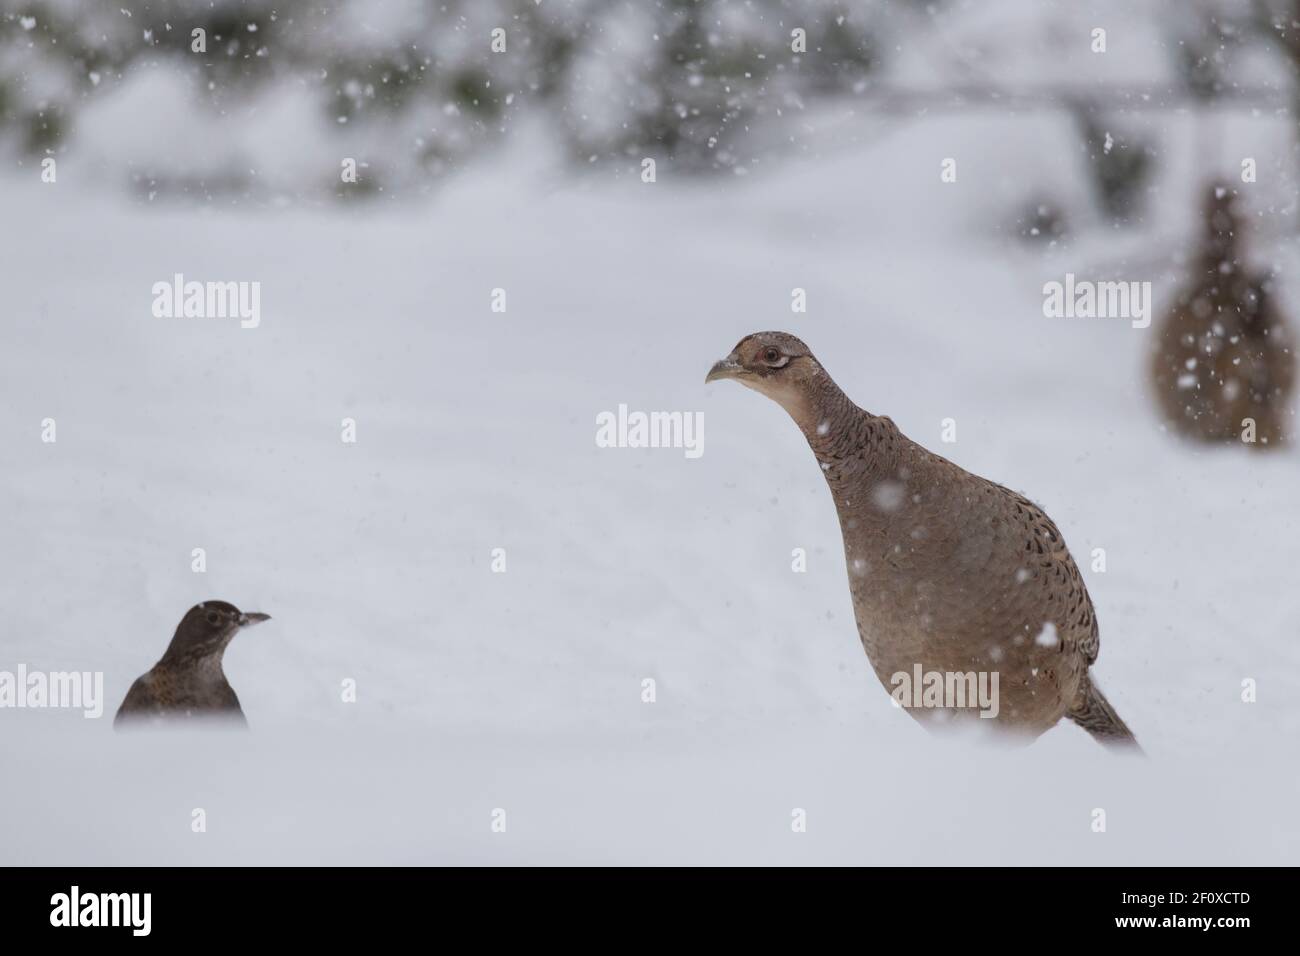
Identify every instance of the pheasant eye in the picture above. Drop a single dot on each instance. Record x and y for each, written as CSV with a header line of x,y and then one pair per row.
x,y
771,356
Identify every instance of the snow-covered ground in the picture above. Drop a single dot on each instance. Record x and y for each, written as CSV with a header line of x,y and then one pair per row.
x,y
475,431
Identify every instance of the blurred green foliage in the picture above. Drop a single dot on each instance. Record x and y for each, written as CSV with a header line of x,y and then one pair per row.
x,y
711,66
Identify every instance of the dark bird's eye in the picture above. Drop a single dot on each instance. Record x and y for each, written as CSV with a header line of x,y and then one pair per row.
x,y
212,618
771,356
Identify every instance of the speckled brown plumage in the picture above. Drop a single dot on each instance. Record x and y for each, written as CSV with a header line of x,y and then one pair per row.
x,y
946,569
1223,352
189,680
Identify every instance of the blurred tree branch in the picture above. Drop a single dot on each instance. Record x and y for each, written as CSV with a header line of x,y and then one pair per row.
x,y
1068,96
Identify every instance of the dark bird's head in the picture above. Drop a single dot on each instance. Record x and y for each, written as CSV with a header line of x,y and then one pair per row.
x,y
207,628
778,365
1223,229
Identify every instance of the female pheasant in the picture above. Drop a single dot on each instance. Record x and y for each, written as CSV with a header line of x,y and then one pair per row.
x,y
950,574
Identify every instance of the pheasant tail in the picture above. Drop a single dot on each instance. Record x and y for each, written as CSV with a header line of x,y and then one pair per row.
x,y
1093,712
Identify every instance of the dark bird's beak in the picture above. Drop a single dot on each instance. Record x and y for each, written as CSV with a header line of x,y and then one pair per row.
x,y
727,368
253,617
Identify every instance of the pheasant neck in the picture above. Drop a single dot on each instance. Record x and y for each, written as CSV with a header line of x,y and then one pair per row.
x,y
846,440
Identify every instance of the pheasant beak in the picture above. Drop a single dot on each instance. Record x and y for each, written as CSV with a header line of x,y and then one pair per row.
x,y
253,617
727,368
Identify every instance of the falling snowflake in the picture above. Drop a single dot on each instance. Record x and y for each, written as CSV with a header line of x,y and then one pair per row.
x,y
887,495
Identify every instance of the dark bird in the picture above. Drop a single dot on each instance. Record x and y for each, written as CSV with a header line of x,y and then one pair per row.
x,y
189,681
1223,368
950,574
